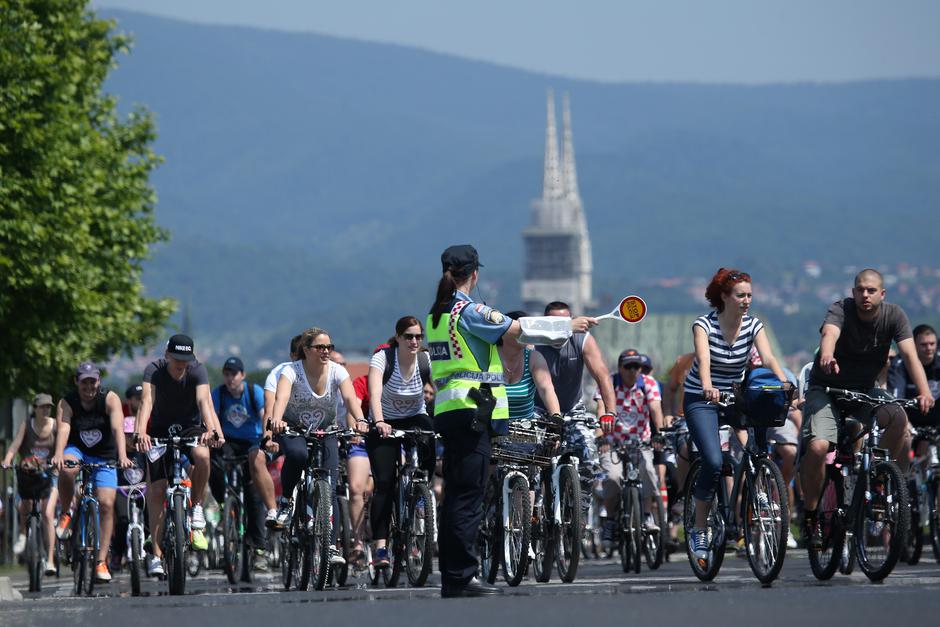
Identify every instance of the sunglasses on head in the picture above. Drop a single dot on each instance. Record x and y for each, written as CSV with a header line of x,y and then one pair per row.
x,y
413,336
322,347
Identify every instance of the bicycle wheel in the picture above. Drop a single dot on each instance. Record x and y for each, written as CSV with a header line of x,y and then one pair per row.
x,y
291,541
570,529
707,570
136,565
340,574
847,563
914,538
933,506
90,552
174,551
232,542
34,553
390,575
517,538
419,536
766,520
632,530
80,570
543,533
488,535
653,540
883,520
825,561
320,538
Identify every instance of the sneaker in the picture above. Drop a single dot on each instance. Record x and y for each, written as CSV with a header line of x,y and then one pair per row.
x,y
20,545
199,519
336,557
812,533
199,541
283,513
63,530
261,561
791,542
650,523
607,533
154,567
102,574
271,521
700,545
381,558
740,547
49,568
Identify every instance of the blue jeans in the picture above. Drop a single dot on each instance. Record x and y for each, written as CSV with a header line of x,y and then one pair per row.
x,y
702,419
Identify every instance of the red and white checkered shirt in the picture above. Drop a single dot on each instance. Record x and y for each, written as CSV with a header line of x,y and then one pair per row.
x,y
633,410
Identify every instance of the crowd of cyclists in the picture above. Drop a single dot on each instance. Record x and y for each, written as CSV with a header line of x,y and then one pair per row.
x,y
667,450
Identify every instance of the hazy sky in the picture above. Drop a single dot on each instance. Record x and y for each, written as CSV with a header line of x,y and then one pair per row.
x,y
741,41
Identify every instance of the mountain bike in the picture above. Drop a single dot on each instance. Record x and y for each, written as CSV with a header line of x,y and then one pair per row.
x,y
136,503
635,536
33,483
924,488
871,513
757,505
86,528
177,520
413,520
306,542
237,553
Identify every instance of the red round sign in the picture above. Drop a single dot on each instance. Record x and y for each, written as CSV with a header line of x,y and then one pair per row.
x,y
632,309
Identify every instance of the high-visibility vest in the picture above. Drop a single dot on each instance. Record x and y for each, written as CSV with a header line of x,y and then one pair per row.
x,y
455,369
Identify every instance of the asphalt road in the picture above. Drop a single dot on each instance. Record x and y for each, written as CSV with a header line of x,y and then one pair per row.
x,y
601,595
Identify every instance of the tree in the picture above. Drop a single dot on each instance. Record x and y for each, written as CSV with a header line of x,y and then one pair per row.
x,y
76,205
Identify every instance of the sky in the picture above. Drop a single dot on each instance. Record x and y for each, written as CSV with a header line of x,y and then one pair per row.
x,y
709,41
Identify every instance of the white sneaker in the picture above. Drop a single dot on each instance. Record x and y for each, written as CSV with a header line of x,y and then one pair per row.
x,y
650,523
48,568
336,558
271,520
154,567
199,519
791,542
20,545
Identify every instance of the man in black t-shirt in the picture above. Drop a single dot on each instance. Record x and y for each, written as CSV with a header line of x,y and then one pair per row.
x,y
176,399
901,383
856,337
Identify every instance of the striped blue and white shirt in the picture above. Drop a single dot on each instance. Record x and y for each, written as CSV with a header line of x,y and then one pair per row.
x,y
728,361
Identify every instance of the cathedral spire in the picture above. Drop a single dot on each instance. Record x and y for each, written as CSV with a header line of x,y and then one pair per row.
x,y
569,173
551,181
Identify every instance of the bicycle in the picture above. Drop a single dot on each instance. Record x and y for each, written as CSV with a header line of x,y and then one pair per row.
x,y
635,537
345,533
871,514
412,523
558,506
306,542
34,482
135,534
177,509
756,507
237,554
924,488
505,535
86,529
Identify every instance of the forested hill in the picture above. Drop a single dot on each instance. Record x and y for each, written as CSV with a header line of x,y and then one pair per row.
x,y
310,179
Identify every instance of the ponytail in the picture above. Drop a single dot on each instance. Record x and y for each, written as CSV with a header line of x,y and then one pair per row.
x,y
445,292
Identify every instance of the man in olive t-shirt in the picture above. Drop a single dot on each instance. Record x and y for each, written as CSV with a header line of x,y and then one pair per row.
x,y
856,337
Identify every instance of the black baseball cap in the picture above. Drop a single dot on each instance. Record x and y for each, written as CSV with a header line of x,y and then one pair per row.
x,y
134,390
234,364
630,356
180,347
460,257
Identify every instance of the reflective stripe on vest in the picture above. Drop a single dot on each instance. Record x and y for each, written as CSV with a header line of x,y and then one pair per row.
x,y
455,369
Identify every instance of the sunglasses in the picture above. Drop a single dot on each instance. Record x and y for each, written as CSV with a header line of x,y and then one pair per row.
x,y
322,347
413,336
631,366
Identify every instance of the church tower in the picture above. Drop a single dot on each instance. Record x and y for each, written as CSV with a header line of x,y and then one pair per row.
x,y
558,262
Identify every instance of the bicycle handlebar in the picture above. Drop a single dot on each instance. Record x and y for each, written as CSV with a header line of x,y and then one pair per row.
x,y
859,397
310,432
177,441
71,463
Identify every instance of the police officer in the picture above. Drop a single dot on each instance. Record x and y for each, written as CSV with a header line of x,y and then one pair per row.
x,y
471,404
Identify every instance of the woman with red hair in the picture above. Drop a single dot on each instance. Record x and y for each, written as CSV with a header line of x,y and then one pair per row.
x,y
723,342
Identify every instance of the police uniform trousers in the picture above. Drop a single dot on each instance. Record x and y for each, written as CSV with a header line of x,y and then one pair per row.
x,y
466,464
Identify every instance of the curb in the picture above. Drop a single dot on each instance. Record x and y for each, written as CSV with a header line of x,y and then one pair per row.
x,y
8,592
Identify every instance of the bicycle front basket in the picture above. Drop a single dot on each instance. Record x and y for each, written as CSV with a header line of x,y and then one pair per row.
x,y
763,399
33,484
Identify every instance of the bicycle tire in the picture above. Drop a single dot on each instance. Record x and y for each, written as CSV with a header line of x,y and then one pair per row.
x,y
933,500
34,553
517,538
232,542
715,523
419,536
847,563
825,561
633,524
653,546
914,544
176,553
895,517
767,545
292,553
320,538
137,561
488,535
543,534
390,575
90,554
340,575
571,529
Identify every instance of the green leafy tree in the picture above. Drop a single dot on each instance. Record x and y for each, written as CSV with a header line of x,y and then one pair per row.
x,y
76,205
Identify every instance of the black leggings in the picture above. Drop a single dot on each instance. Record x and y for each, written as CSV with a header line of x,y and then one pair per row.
x,y
295,459
384,454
